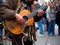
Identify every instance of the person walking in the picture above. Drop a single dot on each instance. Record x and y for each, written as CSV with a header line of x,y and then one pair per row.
x,y
50,12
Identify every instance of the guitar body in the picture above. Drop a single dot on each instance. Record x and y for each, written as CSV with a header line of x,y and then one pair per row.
x,y
26,13
15,28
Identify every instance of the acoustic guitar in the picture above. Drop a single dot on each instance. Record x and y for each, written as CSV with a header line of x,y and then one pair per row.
x,y
15,28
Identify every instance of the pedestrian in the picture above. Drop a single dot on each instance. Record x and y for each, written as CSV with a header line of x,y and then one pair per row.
x,y
58,17
50,12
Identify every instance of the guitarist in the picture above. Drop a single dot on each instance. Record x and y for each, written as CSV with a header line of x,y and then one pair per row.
x,y
8,12
31,5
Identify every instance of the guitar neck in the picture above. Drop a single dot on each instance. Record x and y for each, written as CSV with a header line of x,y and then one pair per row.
x,y
34,13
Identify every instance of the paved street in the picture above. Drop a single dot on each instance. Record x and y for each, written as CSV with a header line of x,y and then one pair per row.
x,y
48,40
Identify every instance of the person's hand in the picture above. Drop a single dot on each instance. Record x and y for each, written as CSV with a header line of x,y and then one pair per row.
x,y
40,12
19,19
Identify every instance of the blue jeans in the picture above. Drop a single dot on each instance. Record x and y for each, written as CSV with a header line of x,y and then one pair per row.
x,y
51,27
44,21
40,27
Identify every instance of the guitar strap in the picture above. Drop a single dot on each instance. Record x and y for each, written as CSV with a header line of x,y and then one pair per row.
x,y
18,4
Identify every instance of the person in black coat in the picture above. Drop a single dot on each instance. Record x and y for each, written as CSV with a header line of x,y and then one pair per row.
x,y
58,17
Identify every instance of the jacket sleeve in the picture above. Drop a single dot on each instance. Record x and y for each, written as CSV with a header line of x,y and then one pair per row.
x,y
7,9
36,18
7,14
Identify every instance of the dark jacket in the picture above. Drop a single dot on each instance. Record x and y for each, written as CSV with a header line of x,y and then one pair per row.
x,y
58,15
36,18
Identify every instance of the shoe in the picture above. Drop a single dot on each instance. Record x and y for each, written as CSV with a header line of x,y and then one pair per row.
x,y
58,34
53,35
37,28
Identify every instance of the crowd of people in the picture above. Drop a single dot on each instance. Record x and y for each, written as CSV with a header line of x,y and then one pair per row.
x,y
49,19
13,14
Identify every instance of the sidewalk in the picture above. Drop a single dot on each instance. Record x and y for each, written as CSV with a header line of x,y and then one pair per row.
x,y
48,40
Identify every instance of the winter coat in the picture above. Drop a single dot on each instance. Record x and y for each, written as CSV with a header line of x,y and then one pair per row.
x,y
58,15
7,9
